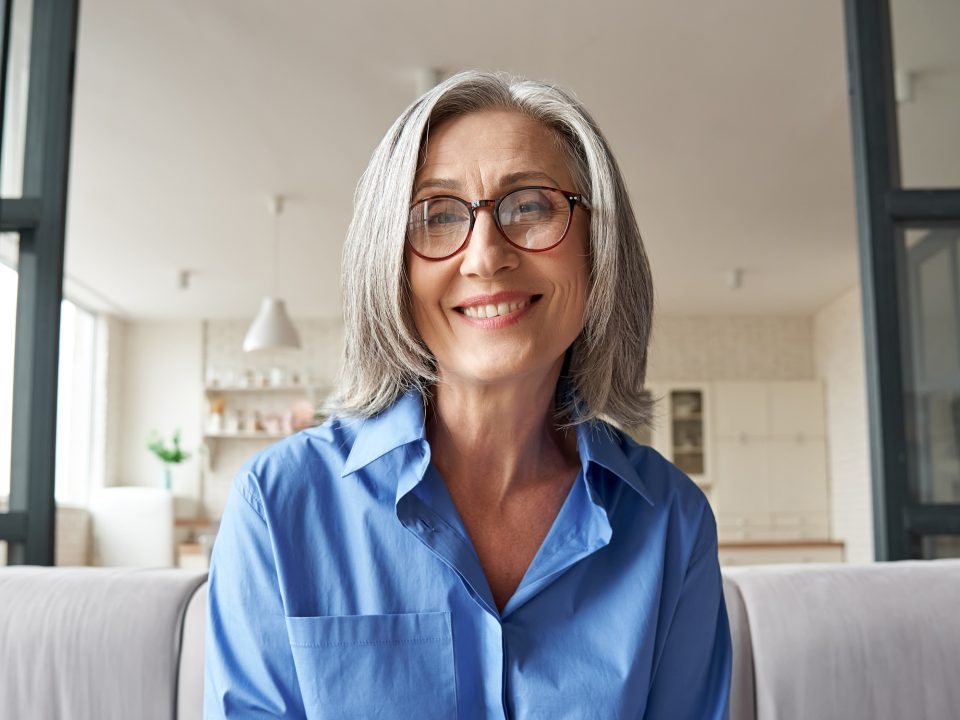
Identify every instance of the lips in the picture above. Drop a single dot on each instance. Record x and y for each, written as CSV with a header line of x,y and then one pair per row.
x,y
490,311
493,306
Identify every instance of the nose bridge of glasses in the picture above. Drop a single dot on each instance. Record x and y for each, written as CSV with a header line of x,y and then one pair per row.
x,y
494,221
477,204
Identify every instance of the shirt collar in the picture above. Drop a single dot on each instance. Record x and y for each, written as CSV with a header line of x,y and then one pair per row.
x,y
600,444
403,424
398,425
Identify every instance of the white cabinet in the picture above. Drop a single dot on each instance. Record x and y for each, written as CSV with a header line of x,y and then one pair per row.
x,y
797,475
740,409
741,466
770,461
795,409
682,428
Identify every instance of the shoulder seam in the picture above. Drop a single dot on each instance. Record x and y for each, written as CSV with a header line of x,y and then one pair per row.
x,y
253,502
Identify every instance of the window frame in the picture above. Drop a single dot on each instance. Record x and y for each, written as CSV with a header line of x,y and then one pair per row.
x,y
39,217
884,211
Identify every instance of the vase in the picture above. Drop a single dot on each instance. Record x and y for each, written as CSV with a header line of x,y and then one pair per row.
x,y
167,477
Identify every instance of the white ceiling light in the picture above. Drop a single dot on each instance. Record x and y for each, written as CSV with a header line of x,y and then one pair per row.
x,y
272,328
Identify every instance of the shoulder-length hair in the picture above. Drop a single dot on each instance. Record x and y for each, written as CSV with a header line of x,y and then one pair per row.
x,y
384,355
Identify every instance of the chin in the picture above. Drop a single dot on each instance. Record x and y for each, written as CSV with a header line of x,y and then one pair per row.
x,y
496,369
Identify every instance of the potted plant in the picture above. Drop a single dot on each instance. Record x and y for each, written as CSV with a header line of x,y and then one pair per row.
x,y
173,455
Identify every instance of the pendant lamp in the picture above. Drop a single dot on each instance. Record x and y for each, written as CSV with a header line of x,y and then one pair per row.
x,y
272,328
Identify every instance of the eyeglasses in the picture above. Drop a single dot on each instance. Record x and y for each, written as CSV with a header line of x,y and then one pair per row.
x,y
533,219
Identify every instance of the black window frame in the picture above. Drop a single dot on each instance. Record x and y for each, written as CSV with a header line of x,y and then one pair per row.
x,y
39,217
884,210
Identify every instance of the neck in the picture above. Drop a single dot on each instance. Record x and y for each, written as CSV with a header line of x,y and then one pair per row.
x,y
495,441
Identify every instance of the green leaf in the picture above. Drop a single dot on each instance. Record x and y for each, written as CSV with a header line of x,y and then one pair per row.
x,y
173,454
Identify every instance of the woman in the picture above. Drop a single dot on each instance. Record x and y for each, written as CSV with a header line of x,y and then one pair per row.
x,y
466,539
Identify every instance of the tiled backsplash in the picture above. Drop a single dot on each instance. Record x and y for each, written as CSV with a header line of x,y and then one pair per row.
x,y
707,349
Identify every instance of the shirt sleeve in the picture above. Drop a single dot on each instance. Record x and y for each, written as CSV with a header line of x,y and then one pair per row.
x,y
248,665
692,679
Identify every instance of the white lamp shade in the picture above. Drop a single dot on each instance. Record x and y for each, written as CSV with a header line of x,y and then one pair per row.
x,y
271,328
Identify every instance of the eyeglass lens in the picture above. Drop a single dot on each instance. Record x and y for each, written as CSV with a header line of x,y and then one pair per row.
x,y
531,218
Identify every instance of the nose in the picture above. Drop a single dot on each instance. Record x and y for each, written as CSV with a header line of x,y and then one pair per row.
x,y
488,252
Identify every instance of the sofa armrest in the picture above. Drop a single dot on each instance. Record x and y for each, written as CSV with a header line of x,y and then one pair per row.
x,y
190,682
742,694
101,642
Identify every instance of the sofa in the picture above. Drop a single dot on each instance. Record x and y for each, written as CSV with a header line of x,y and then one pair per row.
x,y
816,642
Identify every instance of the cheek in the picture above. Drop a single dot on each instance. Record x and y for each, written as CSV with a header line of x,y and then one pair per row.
x,y
578,273
426,290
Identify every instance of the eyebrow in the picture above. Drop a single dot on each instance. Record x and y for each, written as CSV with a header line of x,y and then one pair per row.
x,y
506,180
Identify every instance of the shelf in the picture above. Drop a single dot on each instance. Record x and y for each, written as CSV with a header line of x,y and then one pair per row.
x,y
218,390
688,451
813,542
194,522
690,417
244,436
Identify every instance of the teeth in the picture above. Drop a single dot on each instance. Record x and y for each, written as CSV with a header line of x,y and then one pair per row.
x,y
491,311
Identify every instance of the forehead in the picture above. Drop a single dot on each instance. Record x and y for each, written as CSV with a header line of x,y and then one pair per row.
x,y
492,143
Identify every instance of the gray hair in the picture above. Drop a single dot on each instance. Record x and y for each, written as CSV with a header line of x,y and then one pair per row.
x,y
384,355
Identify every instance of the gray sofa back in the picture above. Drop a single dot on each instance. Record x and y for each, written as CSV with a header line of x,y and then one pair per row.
x,y
878,642
810,641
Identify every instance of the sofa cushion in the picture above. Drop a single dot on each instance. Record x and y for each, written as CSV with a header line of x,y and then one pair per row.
x,y
875,641
91,642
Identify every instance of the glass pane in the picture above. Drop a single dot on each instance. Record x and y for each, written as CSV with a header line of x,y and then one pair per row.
x,y
931,359
926,56
8,321
15,105
686,414
936,547
75,404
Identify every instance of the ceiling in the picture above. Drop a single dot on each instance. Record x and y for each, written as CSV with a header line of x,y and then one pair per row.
x,y
730,123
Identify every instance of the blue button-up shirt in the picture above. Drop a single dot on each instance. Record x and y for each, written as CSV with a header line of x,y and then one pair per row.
x,y
344,585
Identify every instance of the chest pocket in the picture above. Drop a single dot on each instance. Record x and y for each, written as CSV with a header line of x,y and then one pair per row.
x,y
375,666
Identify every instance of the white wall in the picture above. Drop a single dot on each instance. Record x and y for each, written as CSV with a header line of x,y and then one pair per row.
x,y
839,357
155,381
105,470
705,348
158,376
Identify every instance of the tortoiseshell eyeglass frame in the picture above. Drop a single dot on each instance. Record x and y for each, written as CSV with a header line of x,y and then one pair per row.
x,y
571,197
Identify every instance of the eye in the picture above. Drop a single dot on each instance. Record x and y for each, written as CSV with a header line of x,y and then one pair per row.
x,y
530,207
526,206
438,219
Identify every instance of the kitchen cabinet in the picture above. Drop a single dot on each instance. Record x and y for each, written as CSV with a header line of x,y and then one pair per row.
x,y
770,461
681,431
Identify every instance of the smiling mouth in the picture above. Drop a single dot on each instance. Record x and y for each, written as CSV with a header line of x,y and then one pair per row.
x,y
496,310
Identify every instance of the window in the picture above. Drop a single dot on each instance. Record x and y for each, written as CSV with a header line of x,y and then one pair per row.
x,y
75,403
75,398
8,322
